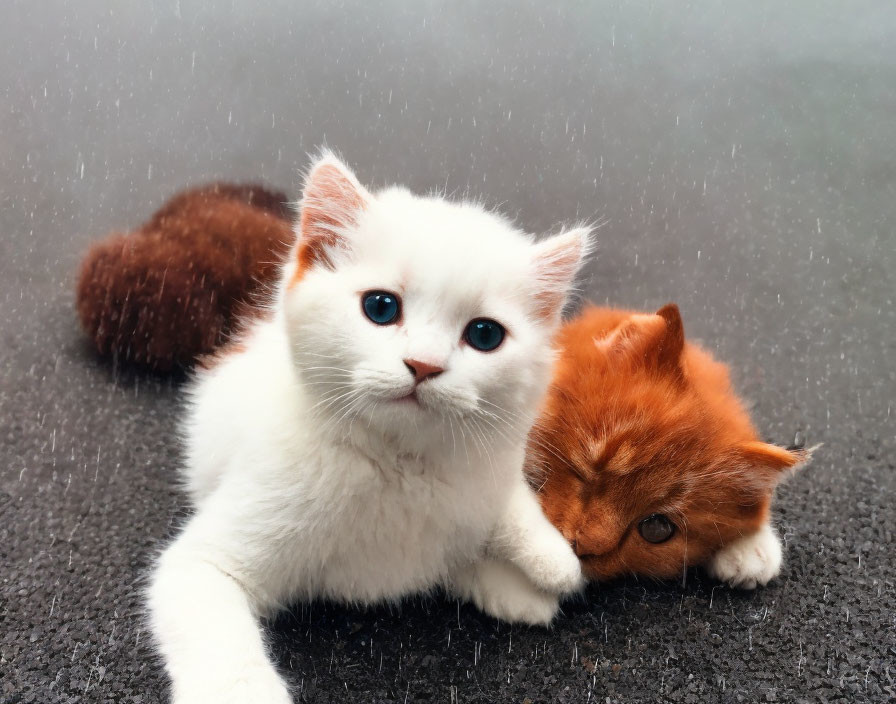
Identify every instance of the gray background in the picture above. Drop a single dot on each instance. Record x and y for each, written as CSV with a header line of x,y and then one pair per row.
x,y
743,157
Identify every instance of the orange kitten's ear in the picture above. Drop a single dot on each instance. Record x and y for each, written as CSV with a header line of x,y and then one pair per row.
x,y
771,462
671,343
557,260
772,456
649,340
332,202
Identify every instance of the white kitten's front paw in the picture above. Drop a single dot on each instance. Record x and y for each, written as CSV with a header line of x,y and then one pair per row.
x,y
553,565
250,685
749,561
502,591
534,608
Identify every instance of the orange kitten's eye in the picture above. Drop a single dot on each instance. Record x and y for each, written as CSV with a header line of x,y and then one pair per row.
x,y
656,528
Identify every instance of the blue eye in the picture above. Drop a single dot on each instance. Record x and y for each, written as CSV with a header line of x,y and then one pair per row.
x,y
484,335
381,307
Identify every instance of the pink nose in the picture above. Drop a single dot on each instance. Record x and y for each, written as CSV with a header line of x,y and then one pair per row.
x,y
422,370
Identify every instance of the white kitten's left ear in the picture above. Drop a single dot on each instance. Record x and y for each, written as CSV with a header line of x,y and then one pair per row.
x,y
557,260
332,202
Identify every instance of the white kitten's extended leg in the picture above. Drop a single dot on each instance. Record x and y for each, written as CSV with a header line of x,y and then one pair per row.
x,y
749,561
503,591
204,622
529,540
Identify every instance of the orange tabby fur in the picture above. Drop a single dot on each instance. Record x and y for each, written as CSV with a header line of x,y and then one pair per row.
x,y
639,422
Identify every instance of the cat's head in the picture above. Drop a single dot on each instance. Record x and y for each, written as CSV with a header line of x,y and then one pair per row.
x,y
644,456
426,319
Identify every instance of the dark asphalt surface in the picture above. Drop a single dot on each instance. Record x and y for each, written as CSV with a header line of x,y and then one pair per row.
x,y
744,156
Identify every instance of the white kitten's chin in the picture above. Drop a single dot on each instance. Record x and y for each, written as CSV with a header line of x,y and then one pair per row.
x,y
424,416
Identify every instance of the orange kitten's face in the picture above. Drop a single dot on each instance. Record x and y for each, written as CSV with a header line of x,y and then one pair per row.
x,y
644,458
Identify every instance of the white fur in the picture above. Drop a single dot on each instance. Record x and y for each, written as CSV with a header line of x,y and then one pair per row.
x,y
751,561
311,480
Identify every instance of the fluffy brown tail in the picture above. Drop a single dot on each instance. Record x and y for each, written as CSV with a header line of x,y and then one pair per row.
x,y
169,292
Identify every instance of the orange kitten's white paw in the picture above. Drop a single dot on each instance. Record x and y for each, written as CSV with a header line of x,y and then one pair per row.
x,y
749,561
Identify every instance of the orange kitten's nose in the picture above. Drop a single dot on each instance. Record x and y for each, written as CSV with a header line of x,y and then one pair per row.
x,y
591,544
578,549
422,370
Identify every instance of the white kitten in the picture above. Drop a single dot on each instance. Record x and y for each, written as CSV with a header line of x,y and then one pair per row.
x,y
367,442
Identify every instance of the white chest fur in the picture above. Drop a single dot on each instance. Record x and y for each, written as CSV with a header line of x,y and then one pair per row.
x,y
383,531
324,516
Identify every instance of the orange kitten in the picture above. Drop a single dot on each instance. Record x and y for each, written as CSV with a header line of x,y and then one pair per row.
x,y
645,458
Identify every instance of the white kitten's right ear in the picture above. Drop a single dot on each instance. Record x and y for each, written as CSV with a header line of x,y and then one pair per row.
x,y
332,201
557,261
